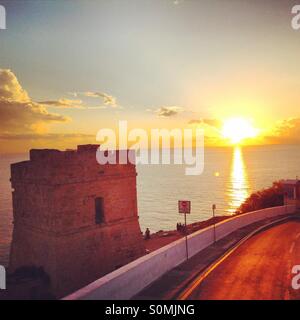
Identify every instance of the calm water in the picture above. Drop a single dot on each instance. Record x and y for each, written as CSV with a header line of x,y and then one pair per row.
x,y
230,174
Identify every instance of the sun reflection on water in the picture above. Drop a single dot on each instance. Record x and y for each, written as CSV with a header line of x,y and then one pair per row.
x,y
238,189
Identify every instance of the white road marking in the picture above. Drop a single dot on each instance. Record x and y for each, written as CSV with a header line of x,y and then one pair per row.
x,y
298,236
292,247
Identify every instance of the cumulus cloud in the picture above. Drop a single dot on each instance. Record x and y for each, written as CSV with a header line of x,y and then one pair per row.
x,y
210,122
18,113
63,103
288,127
168,111
10,87
285,131
212,129
107,99
96,107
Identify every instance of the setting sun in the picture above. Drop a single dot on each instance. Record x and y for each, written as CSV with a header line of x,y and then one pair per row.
x,y
238,129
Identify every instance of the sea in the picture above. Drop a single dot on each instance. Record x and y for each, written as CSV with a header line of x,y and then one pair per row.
x,y
230,175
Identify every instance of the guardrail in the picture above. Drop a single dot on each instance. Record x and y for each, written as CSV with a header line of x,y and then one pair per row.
x,y
130,279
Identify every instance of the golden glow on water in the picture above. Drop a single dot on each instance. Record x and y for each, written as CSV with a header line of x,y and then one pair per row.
x,y
238,184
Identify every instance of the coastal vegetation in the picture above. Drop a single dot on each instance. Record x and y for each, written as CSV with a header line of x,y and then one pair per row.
x,y
265,198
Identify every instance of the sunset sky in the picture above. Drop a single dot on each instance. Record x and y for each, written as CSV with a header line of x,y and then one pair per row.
x,y
70,68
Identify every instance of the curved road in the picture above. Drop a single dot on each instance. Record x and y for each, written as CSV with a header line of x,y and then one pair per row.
x,y
261,268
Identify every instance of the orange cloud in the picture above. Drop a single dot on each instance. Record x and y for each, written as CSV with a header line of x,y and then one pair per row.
x,y
284,132
107,99
168,111
63,103
18,113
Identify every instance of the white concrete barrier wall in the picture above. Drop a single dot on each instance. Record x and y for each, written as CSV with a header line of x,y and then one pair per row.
x,y
127,281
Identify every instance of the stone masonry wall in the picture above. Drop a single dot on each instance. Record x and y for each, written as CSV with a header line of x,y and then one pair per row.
x,y
54,216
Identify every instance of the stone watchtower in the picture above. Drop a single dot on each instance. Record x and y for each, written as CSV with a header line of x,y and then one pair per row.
x,y
73,217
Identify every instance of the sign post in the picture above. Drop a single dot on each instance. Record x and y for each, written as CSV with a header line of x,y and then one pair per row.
x,y
285,201
2,278
214,207
184,207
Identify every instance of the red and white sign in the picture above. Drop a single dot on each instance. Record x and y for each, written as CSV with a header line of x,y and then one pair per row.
x,y
184,206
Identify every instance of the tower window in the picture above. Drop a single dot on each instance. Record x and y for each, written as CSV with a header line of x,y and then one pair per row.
x,y
99,210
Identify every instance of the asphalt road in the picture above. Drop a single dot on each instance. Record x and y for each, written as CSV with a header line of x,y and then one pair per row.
x,y
259,269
